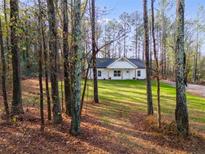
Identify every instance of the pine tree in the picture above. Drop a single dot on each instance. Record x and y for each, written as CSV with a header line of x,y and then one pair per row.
x,y
181,113
76,103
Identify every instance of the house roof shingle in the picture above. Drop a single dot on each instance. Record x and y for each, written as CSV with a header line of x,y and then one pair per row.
x,y
105,62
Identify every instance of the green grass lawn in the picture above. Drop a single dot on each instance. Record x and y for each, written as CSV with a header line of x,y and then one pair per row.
x,y
130,96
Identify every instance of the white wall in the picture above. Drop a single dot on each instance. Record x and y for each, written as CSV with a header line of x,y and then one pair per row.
x,y
109,73
143,74
121,64
104,74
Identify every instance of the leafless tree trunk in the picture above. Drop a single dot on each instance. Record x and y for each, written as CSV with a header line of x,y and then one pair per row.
x,y
67,75
3,76
147,59
96,99
157,64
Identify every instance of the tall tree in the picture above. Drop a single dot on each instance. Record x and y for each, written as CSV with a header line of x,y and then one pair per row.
x,y
7,25
150,109
67,86
46,64
157,63
76,103
45,56
3,76
17,107
40,65
53,43
181,113
94,54
163,7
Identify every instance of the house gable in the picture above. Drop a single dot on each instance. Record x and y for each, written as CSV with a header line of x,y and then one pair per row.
x,y
122,63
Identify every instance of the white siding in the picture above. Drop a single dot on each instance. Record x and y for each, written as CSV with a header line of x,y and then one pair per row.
x,y
143,74
125,74
104,74
121,64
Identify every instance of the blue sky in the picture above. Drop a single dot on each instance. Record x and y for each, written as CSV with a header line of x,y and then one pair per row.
x,y
119,6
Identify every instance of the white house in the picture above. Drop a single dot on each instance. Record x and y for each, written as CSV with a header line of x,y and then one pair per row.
x,y
119,69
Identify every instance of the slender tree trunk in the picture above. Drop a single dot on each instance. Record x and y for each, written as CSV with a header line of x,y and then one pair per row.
x,y
41,66
147,59
17,107
195,72
46,63
84,87
7,25
96,99
67,84
181,113
157,64
75,106
3,76
53,42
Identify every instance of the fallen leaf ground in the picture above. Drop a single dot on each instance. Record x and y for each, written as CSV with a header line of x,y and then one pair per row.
x,y
116,131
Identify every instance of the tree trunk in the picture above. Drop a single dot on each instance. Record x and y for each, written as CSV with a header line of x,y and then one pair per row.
x,y
181,113
41,66
53,42
17,107
46,63
67,84
157,64
3,76
7,25
147,59
96,99
76,103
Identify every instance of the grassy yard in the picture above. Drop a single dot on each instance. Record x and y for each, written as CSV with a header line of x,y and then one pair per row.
x,y
130,96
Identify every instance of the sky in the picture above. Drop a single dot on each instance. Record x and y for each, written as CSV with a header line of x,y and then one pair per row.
x,y
116,7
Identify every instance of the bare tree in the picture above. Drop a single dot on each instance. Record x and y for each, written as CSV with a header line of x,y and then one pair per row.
x,y
157,64
150,109
94,54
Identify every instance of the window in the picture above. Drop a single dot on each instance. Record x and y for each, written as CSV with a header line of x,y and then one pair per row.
x,y
138,73
117,73
128,71
99,73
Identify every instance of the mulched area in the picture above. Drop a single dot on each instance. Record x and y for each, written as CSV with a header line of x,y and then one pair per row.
x,y
96,137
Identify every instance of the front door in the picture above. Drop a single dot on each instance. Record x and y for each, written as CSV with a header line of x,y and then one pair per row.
x,y
126,74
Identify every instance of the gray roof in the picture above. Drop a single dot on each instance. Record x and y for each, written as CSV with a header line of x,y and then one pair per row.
x,y
105,62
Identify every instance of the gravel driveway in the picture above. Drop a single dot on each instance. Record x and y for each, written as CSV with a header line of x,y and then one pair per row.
x,y
192,88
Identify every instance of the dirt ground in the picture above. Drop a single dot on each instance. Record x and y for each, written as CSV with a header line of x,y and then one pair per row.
x,y
138,135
